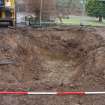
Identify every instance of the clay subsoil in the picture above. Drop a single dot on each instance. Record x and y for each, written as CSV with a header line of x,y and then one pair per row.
x,y
58,59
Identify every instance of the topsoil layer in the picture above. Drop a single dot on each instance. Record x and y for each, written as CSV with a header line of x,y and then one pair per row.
x,y
52,60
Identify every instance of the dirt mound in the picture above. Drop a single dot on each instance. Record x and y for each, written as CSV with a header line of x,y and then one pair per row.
x,y
39,60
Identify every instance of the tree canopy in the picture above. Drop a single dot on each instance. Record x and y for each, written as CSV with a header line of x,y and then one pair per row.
x,y
96,8
69,6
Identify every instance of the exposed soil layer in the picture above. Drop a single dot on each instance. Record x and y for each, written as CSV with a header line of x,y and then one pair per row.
x,y
52,60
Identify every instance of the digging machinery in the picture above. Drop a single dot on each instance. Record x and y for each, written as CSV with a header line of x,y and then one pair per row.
x,y
7,12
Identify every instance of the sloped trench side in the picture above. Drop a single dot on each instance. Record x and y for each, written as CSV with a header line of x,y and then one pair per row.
x,y
25,65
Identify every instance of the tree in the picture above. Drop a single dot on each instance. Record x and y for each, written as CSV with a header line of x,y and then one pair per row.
x,y
47,10
96,8
67,7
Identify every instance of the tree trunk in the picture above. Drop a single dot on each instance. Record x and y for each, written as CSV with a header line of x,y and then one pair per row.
x,y
100,18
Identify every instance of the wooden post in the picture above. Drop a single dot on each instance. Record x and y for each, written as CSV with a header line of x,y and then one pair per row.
x,y
41,7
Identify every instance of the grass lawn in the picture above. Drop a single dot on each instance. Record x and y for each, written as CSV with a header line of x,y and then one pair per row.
x,y
86,21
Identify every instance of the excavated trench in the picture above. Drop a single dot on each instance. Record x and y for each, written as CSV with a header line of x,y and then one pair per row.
x,y
49,60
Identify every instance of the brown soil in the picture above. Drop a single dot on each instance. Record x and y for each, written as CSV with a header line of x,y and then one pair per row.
x,y
52,60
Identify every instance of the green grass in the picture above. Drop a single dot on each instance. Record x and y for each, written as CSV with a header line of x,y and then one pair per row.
x,y
71,21
96,23
87,21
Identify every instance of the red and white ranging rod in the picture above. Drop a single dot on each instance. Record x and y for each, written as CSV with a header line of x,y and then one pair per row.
x,y
51,93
